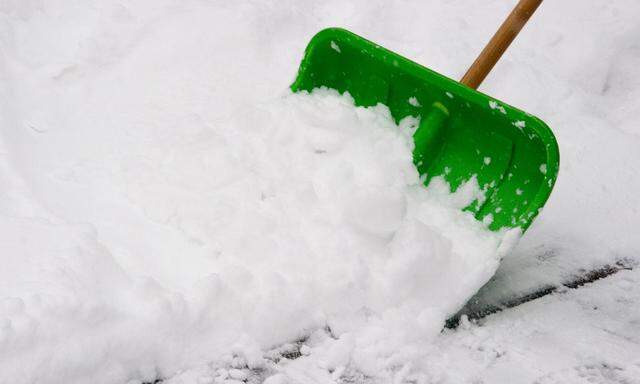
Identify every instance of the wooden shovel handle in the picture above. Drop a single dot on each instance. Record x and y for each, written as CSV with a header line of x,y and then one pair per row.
x,y
499,43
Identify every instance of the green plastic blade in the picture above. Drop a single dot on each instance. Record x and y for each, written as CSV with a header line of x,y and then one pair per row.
x,y
463,132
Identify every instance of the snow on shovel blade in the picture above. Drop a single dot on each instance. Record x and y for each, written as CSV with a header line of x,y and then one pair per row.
x,y
463,133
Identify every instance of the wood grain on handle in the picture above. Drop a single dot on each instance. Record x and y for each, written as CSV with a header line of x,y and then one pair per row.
x,y
499,43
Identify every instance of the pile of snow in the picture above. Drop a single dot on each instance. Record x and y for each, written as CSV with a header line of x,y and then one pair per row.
x,y
308,215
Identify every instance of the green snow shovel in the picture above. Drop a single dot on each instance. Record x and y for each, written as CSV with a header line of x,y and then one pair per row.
x,y
462,132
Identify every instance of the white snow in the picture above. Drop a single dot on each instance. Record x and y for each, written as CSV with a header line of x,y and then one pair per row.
x,y
115,113
335,47
543,169
301,214
519,124
494,105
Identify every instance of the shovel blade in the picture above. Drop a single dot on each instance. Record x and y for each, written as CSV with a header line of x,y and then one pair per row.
x,y
513,155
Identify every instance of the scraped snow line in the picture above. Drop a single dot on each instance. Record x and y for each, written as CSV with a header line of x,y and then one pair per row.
x,y
476,308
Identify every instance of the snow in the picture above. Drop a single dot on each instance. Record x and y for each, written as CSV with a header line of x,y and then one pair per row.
x,y
414,101
335,47
543,168
109,112
494,105
316,214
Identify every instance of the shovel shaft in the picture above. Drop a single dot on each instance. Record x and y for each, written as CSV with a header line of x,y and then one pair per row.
x,y
499,43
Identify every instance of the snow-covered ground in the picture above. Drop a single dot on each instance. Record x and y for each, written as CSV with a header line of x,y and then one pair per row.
x,y
108,115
